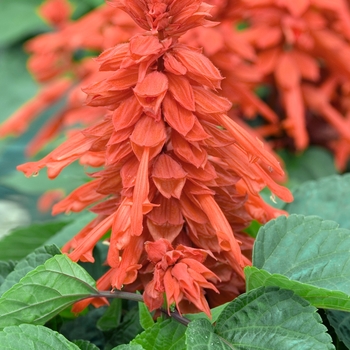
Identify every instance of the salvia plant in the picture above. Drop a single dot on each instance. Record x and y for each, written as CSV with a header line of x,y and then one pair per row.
x,y
175,132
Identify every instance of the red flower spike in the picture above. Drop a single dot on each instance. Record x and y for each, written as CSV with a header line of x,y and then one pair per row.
x,y
176,168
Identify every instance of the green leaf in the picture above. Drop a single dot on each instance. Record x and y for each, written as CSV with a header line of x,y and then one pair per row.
x,y
168,334
318,297
85,345
18,20
71,229
128,328
111,318
327,198
306,166
70,178
340,321
22,241
272,318
30,262
84,327
129,347
317,251
146,318
45,291
215,313
6,267
30,337
200,335
318,258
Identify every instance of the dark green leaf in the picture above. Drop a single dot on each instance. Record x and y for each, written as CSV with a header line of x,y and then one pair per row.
x,y
22,241
5,268
327,198
200,336
128,328
44,292
84,328
30,337
340,321
168,334
111,318
272,318
30,262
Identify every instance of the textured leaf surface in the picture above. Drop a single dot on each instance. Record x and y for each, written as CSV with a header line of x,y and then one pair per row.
x,y
30,337
272,318
44,292
327,197
162,335
307,249
200,335
318,297
22,241
33,260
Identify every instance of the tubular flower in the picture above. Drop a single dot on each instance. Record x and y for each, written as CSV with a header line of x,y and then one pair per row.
x,y
177,170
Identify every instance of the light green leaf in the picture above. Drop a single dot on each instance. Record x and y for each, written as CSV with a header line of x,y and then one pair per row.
x,y
85,345
45,291
30,262
129,347
272,319
22,241
327,197
146,318
215,313
168,334
30,337
200,336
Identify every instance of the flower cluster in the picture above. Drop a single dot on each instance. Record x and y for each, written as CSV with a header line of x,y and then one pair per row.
x,y
180,179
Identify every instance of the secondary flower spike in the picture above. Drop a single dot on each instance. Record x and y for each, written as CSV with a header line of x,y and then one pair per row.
x,y
180,179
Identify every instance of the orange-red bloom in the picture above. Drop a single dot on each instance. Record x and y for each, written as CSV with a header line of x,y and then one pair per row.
x,y
177,170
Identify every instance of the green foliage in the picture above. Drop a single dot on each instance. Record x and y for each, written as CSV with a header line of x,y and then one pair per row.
x,y
44,292
327,197
168,334
22,241
30,262
30,337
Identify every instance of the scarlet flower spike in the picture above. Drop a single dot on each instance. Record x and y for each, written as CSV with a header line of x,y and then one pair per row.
x,y
177,171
